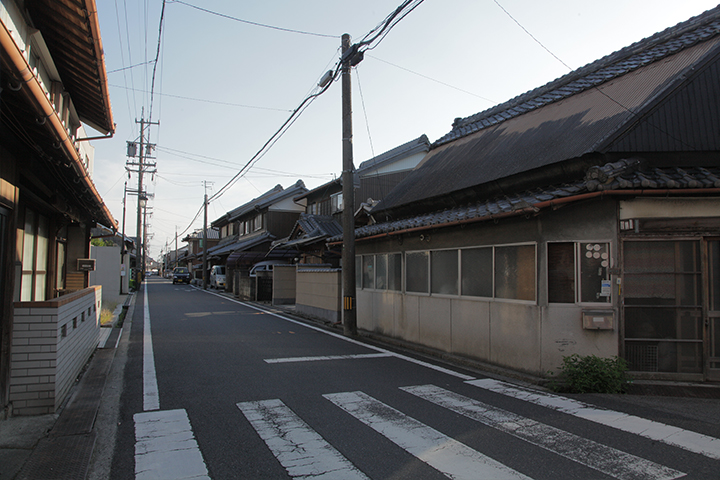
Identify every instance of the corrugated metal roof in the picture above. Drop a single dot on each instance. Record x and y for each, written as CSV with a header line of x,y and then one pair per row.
x,y
581,113
628,175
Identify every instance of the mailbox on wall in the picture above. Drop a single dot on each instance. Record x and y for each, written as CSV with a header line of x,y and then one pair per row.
x,y
598,319
86,264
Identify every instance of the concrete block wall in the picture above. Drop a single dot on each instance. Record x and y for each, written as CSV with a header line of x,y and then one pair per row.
x,y
319,293
51,343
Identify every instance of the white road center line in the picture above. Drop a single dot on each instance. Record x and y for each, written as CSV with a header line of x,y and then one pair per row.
x,y
452,458
298,448
602,458
165,447
668,434
327,357
350,340
151,397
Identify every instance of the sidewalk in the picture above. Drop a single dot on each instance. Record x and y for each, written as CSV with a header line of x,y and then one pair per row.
x,y
61,445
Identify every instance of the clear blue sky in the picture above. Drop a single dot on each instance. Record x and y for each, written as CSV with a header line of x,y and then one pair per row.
x,y
223,87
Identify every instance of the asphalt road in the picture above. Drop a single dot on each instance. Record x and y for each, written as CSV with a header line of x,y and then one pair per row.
x,y
243,393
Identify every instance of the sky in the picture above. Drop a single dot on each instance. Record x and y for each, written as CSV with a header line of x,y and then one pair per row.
x,y
230,73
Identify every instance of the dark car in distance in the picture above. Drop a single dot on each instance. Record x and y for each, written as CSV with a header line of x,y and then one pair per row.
x,y
181,275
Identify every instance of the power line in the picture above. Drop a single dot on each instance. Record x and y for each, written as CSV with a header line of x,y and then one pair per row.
x,y
433,80
254,23
229,104
157,56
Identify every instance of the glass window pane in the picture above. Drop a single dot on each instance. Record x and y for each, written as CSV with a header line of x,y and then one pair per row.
x,y
444,272
29,241
368,271
381,272
714,270
42,244
26,287
594,270
60,266
477,272
39,295
561,272
358,271
395,271
416,272
515,272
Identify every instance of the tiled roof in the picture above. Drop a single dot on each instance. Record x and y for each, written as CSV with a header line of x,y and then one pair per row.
x,y
242,244
310,229
630,58
624,176
268,198
638,99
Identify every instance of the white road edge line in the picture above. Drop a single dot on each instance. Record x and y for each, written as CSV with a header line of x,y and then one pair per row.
x,y
165,447
327,357
660,432
607,460
350,340
443,453
151,396
298,448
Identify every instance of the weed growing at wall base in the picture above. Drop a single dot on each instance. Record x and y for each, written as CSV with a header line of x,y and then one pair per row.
x,y
591,374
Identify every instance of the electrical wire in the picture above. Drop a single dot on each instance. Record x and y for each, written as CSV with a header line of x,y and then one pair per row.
x,y
208,101
432,79
595,87
277,135
289,30
155,63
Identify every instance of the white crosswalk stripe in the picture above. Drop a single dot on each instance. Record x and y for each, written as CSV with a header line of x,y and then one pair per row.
x,y
306,455
298,448
165,447
602,458
668,434
454,459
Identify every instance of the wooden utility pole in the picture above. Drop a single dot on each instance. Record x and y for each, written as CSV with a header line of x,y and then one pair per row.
x,y
348,219
205,245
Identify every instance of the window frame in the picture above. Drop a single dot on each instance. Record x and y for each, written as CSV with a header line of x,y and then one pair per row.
x,y
577,265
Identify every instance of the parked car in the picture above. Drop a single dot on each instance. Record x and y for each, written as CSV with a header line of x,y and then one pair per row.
x,y
181,275
266,266
217,276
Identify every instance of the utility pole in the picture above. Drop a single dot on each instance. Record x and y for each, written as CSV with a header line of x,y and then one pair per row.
x,y
348,219
205,249
144,153
122,245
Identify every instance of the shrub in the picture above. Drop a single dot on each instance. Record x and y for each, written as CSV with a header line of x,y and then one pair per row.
x,y
591,374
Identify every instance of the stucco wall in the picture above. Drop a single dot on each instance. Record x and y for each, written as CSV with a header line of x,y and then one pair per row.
x,y
284,280
318,293
107,273
526,336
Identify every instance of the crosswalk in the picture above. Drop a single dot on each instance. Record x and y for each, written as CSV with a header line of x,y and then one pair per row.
x,y
305,454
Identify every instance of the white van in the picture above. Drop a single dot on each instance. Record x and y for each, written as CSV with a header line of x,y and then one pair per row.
x,y
266,266
217,276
